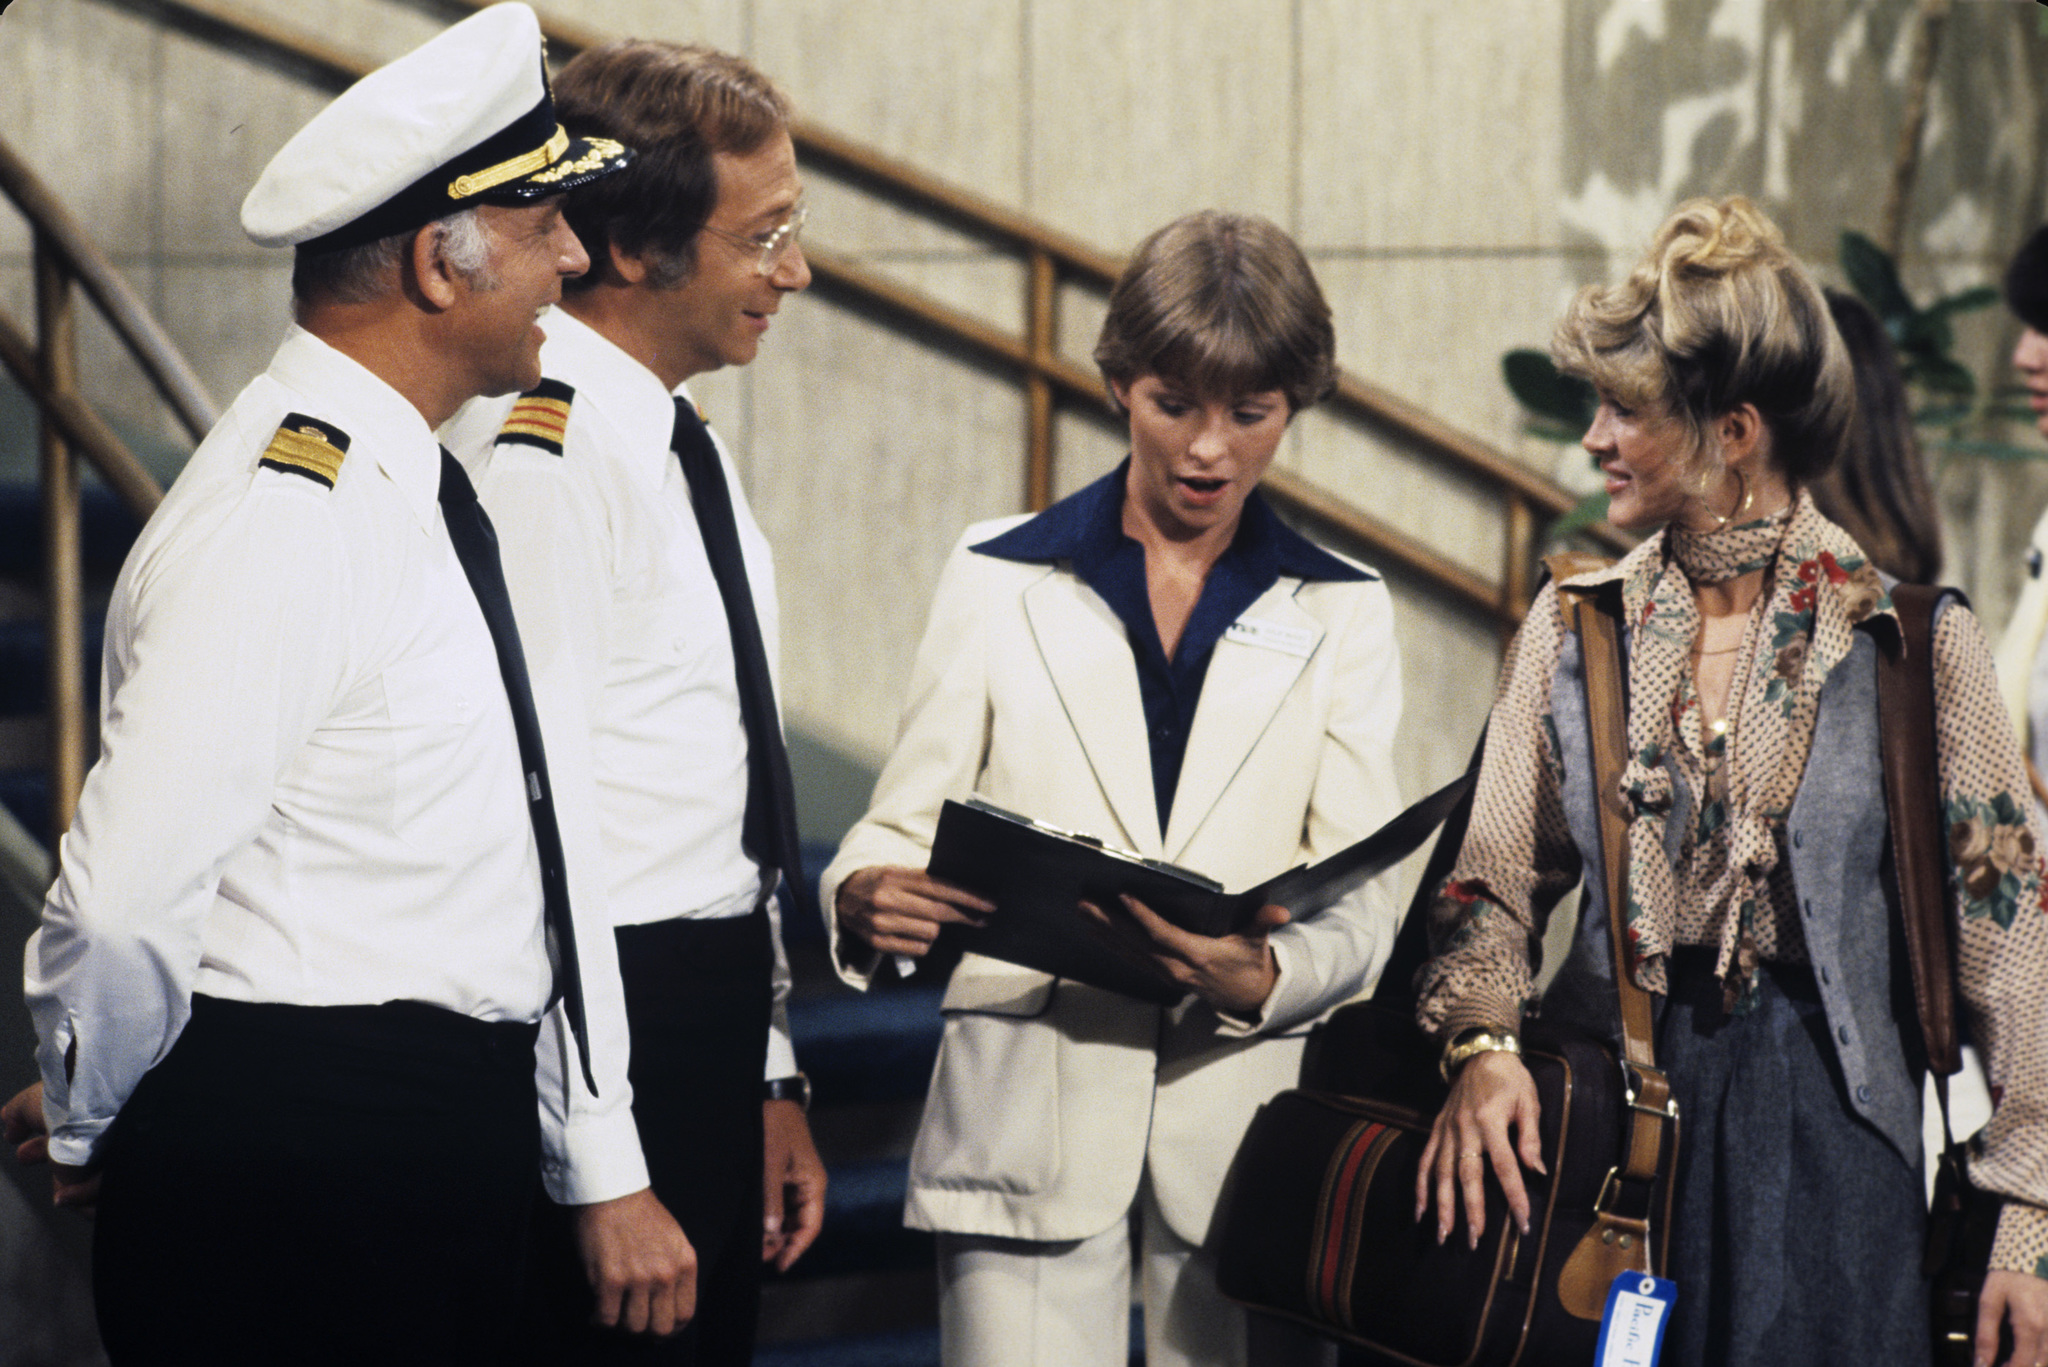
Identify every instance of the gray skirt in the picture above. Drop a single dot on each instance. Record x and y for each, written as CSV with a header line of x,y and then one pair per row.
x,y
1797,1228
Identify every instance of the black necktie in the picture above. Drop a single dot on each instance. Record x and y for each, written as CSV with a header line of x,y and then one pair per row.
x,y
476,546
768,831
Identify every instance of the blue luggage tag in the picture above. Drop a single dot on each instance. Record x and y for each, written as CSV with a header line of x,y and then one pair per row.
x,y
1632,1330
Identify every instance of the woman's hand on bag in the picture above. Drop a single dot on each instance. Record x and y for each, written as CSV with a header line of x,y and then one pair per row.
x,y
1491,1094
899,910
2023,1299
1233,973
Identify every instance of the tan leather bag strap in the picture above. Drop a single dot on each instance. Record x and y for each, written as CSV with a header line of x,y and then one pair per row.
x,y
1595,616
1905,705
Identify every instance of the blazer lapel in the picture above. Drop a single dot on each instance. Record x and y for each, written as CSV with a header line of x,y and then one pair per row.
x,y
1246,683
1089,658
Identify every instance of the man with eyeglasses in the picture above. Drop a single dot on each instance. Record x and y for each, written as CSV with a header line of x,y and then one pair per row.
x,y
646,596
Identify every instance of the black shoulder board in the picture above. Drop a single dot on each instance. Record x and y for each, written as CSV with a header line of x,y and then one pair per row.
x,y
540,417
306,446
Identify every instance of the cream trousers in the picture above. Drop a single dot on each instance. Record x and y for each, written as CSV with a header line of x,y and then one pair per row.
x,y
1022,1303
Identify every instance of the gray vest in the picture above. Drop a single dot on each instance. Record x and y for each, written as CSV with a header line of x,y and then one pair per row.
x,y
1837,834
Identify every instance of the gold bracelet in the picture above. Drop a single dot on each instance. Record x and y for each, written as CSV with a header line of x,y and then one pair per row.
x,y
1482,1040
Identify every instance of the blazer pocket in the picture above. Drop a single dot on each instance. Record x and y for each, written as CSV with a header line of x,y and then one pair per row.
x,y
992,1120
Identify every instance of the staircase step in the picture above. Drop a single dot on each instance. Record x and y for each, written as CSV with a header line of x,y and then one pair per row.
x,y
864,1230
24,654
106,528
868,1047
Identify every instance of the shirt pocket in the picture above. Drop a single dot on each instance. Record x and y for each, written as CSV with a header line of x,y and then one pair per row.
x,y
434,704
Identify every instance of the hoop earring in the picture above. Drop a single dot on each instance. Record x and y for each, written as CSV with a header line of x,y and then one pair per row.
x,y
1741,504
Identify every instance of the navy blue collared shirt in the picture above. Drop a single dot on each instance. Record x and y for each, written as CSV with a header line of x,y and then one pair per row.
x,y
1086,529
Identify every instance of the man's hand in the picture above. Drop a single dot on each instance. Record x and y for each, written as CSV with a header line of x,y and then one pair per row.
x,y
792,1185
899,910
640,1264
1233,973
22,1124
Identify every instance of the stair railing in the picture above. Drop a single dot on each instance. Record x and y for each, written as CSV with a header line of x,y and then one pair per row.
x,y
46,368
1049,380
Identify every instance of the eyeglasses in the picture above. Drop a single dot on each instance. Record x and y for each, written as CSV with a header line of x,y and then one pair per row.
x,y
774,245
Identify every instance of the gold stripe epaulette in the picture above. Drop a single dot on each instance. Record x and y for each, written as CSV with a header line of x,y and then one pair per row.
x,y
306,446
540,417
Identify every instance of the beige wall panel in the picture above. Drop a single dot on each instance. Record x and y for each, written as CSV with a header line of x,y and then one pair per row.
x,y
86,122
932,83
1144,110
1461,520
223,117
1427,125
721,23
870,454
1450,659
1433,328
229,317
1086,446
376,29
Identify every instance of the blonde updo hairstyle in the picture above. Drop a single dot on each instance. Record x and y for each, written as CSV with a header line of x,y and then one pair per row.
x,y
1718,313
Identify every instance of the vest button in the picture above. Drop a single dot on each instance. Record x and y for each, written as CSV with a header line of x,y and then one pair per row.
x,y
1842,1034
1863,1095
1795,839
1824,973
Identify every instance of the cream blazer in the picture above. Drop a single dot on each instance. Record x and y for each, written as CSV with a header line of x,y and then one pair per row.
x,y
1052,1100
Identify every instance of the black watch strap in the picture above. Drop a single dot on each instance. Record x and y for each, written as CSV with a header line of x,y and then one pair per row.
x,y
796,1087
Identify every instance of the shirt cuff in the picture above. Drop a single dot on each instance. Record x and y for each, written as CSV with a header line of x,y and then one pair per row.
x,y
781,1053
75,1143
2022,1242
600,1161
1480,1014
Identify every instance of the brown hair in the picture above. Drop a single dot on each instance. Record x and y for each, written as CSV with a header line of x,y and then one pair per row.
x,y
1878,491
677,105
1718,313
1225,304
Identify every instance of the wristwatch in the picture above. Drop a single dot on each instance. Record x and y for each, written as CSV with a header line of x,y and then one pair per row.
x,y
796,1087
1481,1040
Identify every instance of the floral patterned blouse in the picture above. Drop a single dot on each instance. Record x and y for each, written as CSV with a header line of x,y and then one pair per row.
x,y
1519,858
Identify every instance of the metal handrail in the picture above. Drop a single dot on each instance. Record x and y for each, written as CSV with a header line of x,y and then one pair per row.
x,y
46,368
1051,257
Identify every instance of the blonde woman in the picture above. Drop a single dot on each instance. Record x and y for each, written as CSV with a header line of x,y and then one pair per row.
x,y
1759,911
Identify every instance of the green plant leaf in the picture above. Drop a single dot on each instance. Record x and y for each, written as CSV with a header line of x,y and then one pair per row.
x,y
1968,301
1941,375
1873,276
1589,510
1534,381
1926,335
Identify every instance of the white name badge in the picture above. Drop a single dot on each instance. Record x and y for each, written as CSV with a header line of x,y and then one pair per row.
x,y
1256,631
1632,1331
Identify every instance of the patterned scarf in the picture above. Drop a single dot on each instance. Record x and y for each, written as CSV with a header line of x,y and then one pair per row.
x,y
1817,587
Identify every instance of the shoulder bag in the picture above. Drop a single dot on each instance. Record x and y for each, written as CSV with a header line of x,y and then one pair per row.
x,y
1317,1221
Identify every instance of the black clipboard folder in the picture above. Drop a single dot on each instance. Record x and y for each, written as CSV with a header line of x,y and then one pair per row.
x,y
1037,875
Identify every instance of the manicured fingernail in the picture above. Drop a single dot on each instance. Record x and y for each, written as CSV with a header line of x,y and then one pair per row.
x,y
1525,1226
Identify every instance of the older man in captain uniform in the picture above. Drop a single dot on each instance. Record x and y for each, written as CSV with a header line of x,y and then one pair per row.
x,y
313,908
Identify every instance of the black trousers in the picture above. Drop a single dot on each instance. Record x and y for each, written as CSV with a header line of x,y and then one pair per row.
x,y
341,1184
698,1000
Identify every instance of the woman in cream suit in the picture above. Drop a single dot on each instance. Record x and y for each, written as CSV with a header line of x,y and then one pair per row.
x,y
1156,660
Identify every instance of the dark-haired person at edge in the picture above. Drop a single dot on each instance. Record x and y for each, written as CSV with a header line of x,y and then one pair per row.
x,y
1159,661
289,980
2022,662
1878,490
1799,1208
632,556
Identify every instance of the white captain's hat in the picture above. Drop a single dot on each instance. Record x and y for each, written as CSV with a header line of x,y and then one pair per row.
x,y
466,118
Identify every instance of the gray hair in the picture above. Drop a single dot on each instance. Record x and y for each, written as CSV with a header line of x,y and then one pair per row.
x,y
361,275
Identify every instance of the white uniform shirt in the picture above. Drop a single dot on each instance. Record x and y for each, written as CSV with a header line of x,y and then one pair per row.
x,y
627,640
309,788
